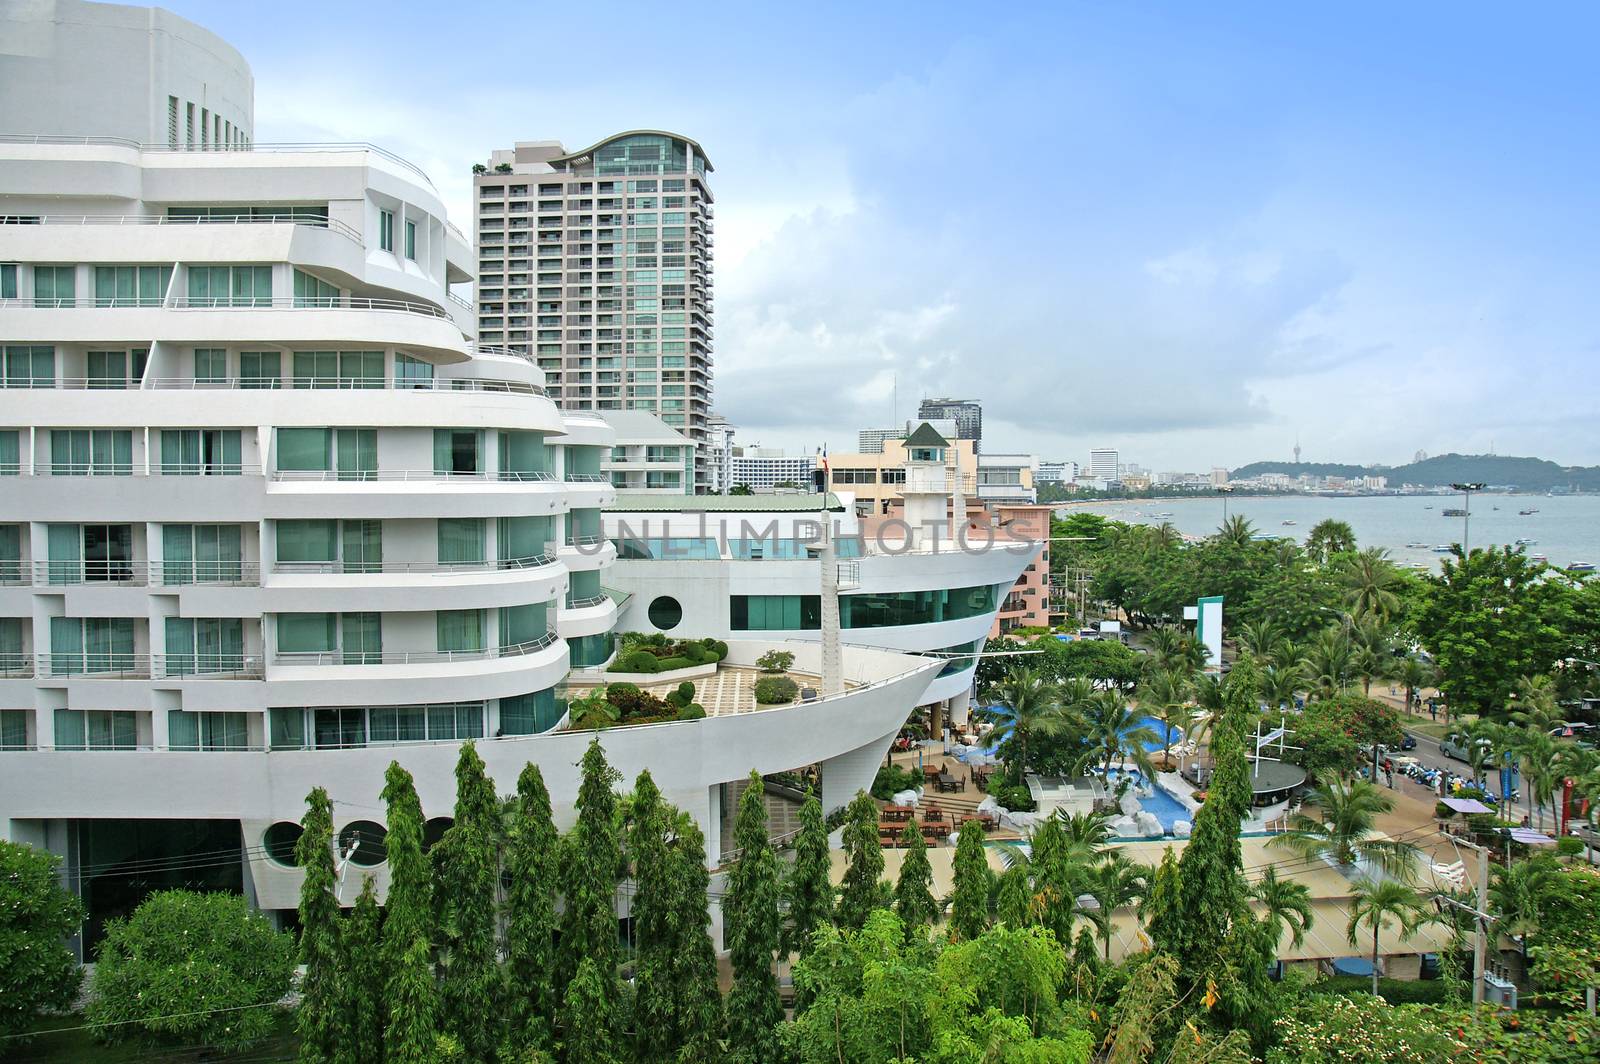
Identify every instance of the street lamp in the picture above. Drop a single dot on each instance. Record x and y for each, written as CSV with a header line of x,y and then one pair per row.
x,y
1224,490
1466,489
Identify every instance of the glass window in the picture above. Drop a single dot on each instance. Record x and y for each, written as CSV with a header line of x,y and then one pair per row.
x,y
288,727
91,645
316,369
522,625
208,731
312,291
10,554
91,452
363,546
108,369
28,366
11,656
307,541
307,633
361,369
341,728
523,455
96,729
411,372
529,714
411,240
204,644
386,230
461,540
210,365
455,452
200,452
304,449
54,286
14,729
260,369
131,286
8,280
10,453
362,638
201,554
358,454
522,540
460,631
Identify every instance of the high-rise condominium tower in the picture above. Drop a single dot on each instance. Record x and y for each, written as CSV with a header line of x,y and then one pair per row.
x,y
597,264
966,413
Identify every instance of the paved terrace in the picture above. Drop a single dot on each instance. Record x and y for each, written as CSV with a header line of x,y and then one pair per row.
x,y
733,689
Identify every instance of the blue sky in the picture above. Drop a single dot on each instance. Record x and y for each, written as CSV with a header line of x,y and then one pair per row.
x,y
1189,231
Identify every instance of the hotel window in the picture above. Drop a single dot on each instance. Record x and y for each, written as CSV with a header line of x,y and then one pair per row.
x,y
538,712
89,553
456,452
386,230
411,240
131,286
461,540
11,557
14,727
207,731
172,122
325,545
412,372
205,129
460,631
54,286
210,365
315,634
312,291
230,286
521,626
313,451
200,452
10,453
188,126
91,452
108,369
201,554
204,644
90,644
8,280
260,369
96,729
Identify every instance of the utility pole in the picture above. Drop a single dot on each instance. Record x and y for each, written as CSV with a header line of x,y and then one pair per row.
x,y
1480,919
1466,515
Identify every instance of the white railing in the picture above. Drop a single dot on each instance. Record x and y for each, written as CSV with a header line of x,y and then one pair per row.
x,y
428,310
291,382
587,478
414,657
331,224
349,567
180,573
221,149
458,301
125,574
356,475
587,601
207,666
104,665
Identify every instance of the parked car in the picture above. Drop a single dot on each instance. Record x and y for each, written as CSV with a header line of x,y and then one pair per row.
x,y
1456,744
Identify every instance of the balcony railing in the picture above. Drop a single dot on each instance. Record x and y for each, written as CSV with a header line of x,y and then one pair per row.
x,y
433,384
587,601
415,657
427,310
587,478
135,220
207,666
347,567
121,573
357,475
99,665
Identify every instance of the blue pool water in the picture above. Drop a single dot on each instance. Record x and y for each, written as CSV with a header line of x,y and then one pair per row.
x,y
1167,809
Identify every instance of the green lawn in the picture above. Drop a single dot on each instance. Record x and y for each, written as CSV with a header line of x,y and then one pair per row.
x,y
55,1043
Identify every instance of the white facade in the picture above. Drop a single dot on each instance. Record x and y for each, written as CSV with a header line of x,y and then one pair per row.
x,y
138,74
766,468
649,455
719,454
1103,464
1008,478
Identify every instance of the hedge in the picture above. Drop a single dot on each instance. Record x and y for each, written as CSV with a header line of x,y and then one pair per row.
x,y
776,690
1394,991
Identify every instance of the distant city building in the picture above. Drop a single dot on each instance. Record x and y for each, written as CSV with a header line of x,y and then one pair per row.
x,y
1007,478
1219,477
718,460
876,479
597,265
649,456
1103,464
966,413
1375,483
1135,481
1057,472
871,441
768,468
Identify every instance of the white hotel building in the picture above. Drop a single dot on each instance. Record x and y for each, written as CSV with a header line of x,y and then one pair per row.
x,y
269,519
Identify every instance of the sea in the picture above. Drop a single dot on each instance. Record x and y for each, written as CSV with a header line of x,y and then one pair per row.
x,y
1565,529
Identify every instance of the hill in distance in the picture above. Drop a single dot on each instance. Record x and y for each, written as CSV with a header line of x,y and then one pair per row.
x,y
1495,470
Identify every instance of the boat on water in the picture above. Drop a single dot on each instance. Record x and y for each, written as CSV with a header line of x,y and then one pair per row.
x,y
1427,507
1443,548
1454,511
1524,542
1419,546
1538,558
1581,567
1525,513
1286,524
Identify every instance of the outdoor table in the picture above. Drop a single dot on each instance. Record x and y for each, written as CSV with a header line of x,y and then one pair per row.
x,y
897,812
948,782
933,814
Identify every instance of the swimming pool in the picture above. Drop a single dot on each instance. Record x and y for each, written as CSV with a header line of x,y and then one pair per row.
x,y
1166,809
1166,735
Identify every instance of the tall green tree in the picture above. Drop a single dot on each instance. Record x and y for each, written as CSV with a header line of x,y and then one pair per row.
x,y
1378,903
362,980
969,898
467,870
655,1018
913,890
1287,904
1346,828
863,889
698,1001
591,862
750,913
1490,620
319,1021
1113,881
407,923
37,970
532,859
587,1016
807,890
1029,710
1328,538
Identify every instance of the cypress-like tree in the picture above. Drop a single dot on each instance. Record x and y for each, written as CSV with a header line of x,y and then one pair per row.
x,y
407,921
318,1020
969,900
655,1018
913,890
467,868
1014,899
1161,910
694,970
591,859
362,980
750,913
863,889
807,890
1054,869
531,861
410,1036
586,1017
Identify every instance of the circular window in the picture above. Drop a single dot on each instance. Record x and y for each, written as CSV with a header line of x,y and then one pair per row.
x,y
434,830
280,841
665,613
371,850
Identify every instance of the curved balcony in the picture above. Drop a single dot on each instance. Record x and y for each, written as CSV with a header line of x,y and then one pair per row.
x,y
584,553
405,677
399,493
408,586
588,616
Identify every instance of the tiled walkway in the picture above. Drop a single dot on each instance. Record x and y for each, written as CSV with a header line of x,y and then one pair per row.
x,y
733,689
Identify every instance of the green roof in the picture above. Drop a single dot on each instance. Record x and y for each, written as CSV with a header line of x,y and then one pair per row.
x,y
784,503
926,436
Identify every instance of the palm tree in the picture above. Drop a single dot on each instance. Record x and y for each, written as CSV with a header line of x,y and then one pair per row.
x,y
1083,833
1030,708
1541,768
1371,584
1166,696
1537,704
1287,904
1515,893
1165,535
1113,881
1347,829
1373,656
1116,732
1329,537
1327,662
1484,741
1262,639
1377,903
1280,686
1237,531
1414,673
592,712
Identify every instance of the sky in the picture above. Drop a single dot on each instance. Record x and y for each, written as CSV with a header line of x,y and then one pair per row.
x,y
1192,232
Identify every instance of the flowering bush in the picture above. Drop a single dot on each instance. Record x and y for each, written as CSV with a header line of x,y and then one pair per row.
x,y
1322,1029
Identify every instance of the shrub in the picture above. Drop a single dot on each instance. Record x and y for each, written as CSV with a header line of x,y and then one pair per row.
x,y
668,664
775,661
1012,796
621,687
693,711
682,696
187,968
635,661
776,690
1568,846
36,916
893,778
1394,991
633,704
719,646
